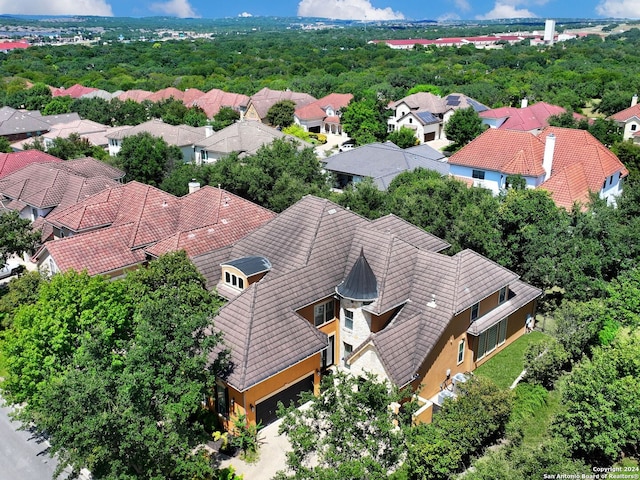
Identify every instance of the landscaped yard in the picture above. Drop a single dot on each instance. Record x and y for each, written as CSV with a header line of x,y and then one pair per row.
x,y
505,367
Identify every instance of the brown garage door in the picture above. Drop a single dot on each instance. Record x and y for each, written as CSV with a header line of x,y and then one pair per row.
x,y
266,411
429,136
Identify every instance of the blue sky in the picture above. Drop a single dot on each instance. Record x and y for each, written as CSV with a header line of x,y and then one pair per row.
x,y
345,9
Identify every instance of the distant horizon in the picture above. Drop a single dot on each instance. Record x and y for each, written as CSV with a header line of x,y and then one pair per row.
x,y
357,10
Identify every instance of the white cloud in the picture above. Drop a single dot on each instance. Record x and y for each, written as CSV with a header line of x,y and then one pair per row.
x,y
99,8
507,9
245,15
346,10
462,5
176,8
619,8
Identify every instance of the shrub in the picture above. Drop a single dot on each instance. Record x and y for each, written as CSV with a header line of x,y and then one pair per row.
x,y
544,362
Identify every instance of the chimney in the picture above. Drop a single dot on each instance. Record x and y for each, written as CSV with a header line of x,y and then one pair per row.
x,y
524,103
547,160
194,186
634,100
208,130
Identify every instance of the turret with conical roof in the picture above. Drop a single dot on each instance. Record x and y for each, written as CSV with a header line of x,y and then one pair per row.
x,y
361,284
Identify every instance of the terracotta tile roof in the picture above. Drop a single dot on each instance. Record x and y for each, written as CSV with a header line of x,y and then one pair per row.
x,y
580,162
266,98
214,99
74,91
318,110
313,111
508,151
7,46
165,94
626,114
136,220
135,95
190,95
533,117
312,247
11,162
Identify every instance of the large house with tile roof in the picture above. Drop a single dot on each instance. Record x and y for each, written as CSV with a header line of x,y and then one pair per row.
x,y
527,118
74,91
570,164
22,124
182,136
259,103
212,101
629,120
244,137
40,189
323,115
321,288
382,162
427,114
122,227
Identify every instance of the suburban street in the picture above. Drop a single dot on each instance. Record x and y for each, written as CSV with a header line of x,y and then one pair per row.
x,y
22,455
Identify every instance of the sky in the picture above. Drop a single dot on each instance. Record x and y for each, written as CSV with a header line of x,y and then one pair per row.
x,y
369,10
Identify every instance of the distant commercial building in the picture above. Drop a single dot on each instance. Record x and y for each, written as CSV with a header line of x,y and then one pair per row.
x,y
549,31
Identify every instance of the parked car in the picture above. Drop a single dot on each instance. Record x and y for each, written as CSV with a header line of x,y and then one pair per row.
x,y
348,145
9,270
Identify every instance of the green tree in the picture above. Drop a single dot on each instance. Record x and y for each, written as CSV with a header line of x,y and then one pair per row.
x,y
348,431
463,126
578,324
5,146
601,404
226,116
365,121
22,290
623,299
544,362
363,198
404,138
58,106
281,113
75,146
16,236
147,159
629,154
431,454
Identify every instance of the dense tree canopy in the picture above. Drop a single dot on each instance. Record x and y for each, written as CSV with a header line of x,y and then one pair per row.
x,y
147,159
16,236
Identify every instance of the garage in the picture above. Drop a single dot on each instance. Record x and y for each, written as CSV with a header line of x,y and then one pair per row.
x,y
266,411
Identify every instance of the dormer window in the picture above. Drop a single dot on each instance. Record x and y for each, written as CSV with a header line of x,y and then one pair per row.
x,y
233,280
323,313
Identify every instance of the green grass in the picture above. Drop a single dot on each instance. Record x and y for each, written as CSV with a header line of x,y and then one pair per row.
x,y
535,424
505,367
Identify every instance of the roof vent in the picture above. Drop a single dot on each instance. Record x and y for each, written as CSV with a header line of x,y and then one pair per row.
x,y
432,303
164,203
224,221
191,235
332,211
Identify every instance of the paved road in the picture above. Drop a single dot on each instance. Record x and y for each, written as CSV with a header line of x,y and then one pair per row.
x,y
22,455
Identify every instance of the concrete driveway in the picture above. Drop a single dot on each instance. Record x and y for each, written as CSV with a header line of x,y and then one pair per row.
x,y
273,448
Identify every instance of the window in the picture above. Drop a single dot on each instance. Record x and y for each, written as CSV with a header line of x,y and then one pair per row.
x,y
479,174
222,400
633,127
461,351
503,295
328,353
474,311
611,180
234,280
323,313
347,348
348,319
491,338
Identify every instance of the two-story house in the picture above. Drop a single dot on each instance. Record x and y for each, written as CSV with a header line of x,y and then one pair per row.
x,y
527,118
427,114
259,103
324,114
629,120
570,164
321,288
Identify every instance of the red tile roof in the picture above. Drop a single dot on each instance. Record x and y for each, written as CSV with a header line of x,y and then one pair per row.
x,y
166,93
626,114
10,162
136,220
74,91
214,99
6,46
533,117
135,95
580,162
317,110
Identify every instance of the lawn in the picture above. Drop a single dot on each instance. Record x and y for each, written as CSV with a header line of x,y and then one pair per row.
x,y
505,367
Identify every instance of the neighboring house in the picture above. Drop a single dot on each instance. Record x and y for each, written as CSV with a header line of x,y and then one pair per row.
x,y
244,137
85,128
569,163
629,120
103,94
186,97
122,227
39,189
427,114
321,288
6,47
136,95
11,162
259,104
323,116
212,101
527,118
181,136
74,91
18,125
382,162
